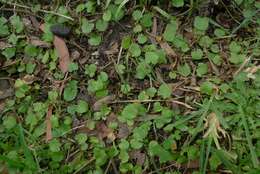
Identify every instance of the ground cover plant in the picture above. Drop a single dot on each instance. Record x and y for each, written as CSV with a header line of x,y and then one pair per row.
x,y
129,86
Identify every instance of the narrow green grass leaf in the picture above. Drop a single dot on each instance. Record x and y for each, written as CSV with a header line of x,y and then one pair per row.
x,y
249,139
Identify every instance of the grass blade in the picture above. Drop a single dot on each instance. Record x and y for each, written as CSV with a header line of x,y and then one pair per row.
x,y
249,139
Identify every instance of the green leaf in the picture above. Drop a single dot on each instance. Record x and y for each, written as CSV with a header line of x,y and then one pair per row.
x,y
146,20
123,156
9,52
81,138
100,156
80,8
54,145
165,91
237,58
31,50
234,47
125,88
202,69
151,57
170,31
101,25
178,3
30,67
207,88
129,112
13,39
136,144
126,41
17,23
95,40
86,26
82,107
157,150
90,70
142,70
123,145
4,30
137,29
73,67
215,58
205,41
70,91
201,23
184,70
214,162
107,15
141,38
9,122
120,69
219,32
53,95
135,50
137,15
197,54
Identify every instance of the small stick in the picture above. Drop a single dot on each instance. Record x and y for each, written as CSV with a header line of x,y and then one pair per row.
x,y
41,10
150,101
242,66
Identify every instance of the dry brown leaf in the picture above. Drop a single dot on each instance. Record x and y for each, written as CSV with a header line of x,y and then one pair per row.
x,y
97,105
39,43
63,52
4,45
123,131
138,156
168,49
48,124
2,105
105,132
29,79
169,52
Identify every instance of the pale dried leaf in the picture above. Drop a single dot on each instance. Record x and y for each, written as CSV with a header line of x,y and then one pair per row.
x,y
63,52
48,124
168,49
4,45
39,43
29,79
97,105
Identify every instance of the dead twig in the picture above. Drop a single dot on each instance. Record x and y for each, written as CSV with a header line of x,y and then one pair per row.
x,y
151,101
40,10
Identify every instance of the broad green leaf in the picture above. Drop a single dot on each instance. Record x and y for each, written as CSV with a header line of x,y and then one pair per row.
x,y
137,15
142,70
184,70
207,88
151,57
135,50
197,54
17,23
170,31
70,91
146,20
82,106
9,52
31,50
202,69
94,40
157,150
201,23
165,91
178,3
86,26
